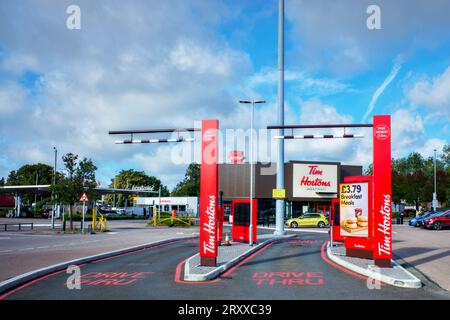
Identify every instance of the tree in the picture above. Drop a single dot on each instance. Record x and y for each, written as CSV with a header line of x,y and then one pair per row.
x,y
2,182
27,174
190,186
445,156
80,178
413,178
127,179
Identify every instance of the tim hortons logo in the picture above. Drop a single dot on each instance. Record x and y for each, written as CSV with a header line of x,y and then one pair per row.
x,y
209,227
314,171
382,132
384,247
317,182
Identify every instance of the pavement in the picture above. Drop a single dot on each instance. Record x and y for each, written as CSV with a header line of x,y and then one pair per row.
x,y
426,250
396,275
25,251
293,269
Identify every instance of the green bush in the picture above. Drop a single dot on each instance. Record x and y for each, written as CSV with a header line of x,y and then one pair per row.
x,y
176,222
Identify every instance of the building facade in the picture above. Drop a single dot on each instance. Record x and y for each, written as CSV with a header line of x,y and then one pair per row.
x,y
183,205
310,186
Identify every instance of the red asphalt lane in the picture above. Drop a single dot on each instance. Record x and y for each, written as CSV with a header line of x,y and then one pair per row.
x,y
178,270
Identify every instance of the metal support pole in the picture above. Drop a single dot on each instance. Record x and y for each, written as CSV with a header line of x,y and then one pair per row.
x,y
82,222
435,189
53,194
159,209
280,206
251,174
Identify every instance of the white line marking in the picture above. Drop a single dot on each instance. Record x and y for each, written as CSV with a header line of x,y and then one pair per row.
x,y
297,230
4,251
44,247
26,249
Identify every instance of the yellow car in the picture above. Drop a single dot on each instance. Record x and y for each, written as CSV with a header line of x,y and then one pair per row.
x,y
308,220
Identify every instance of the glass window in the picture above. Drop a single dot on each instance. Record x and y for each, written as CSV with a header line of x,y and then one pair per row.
x,y
241,214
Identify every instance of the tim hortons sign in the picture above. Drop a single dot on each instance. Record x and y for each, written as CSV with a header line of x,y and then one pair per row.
x,y
382,190
310,180
209,193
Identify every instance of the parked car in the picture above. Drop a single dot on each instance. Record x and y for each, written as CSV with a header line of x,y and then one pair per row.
x,y
308,220
438,220
417,222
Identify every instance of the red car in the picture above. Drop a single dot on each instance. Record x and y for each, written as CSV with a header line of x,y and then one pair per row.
x,y
438,221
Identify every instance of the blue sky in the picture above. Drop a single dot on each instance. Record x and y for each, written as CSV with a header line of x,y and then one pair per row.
x,y
153,64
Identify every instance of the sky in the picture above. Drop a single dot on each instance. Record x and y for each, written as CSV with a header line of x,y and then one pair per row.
x,y
143,64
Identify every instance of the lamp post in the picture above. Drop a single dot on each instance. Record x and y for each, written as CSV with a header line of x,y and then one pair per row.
x,y
54,183
280,204
434,193
252,102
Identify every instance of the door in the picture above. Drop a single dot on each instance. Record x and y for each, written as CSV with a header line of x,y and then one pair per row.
x,y
446,219
305,220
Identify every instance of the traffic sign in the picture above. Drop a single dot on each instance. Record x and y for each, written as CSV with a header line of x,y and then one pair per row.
x,y
84,197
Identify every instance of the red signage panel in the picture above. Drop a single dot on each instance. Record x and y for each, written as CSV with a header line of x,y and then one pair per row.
x,y
382,190
209,192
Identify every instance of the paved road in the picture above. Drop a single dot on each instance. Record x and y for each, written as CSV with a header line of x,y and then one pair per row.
x,y
427,250
293,269
21,252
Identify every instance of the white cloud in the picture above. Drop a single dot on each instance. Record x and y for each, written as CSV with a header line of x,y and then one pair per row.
x,y
129,67
432,94
381,88
427,150
332,36
302,82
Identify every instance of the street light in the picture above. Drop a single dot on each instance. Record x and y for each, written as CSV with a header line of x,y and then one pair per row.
x,y
434,193
252,102
54,183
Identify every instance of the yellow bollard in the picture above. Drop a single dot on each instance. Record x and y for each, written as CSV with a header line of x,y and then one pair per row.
x,y
94,217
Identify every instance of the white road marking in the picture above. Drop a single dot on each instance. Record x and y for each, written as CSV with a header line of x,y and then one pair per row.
x,y
7,238
43,247
297,230
5,251
58,245
26,249
180,233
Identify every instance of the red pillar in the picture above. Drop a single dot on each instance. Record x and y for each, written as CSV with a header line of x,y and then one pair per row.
x,y
382,190
209,192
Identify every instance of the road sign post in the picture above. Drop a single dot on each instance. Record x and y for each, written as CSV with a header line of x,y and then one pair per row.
x,y
84,198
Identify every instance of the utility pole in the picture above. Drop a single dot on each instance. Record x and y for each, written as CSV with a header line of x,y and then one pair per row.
x,y
435,189
280,204
252,120
35,195
53,193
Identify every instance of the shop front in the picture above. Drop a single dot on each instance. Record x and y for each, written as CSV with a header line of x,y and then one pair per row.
x,y
310,186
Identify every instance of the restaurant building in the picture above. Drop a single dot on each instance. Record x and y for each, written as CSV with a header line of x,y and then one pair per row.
x,y
310,186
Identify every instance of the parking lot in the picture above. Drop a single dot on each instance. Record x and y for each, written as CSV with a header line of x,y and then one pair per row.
x,y
427,250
